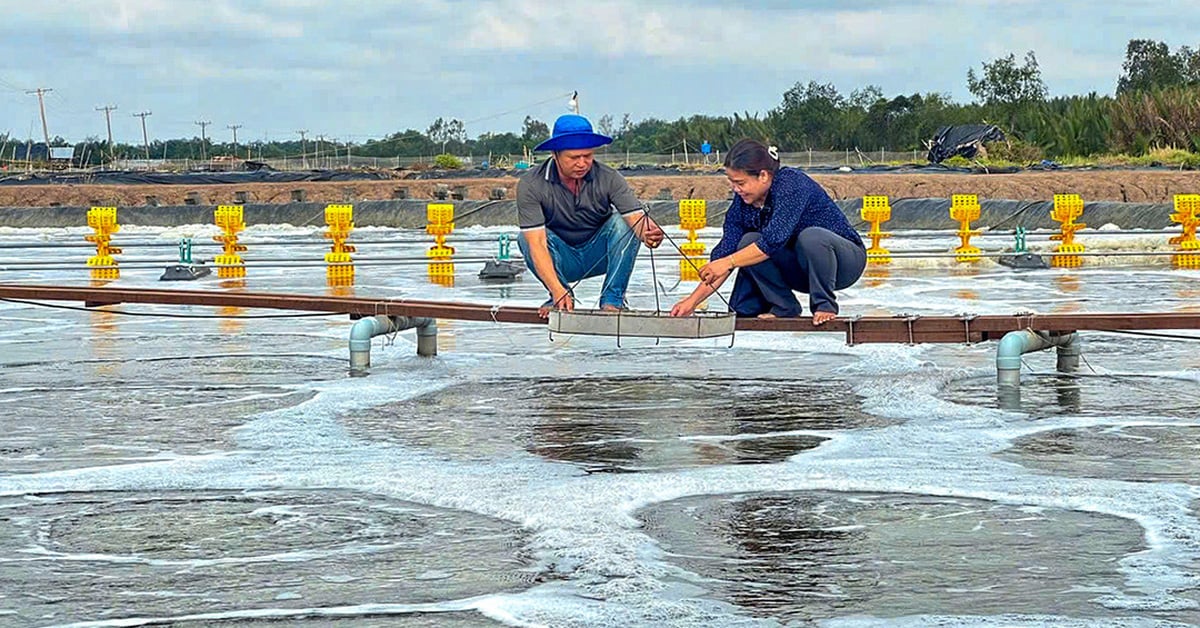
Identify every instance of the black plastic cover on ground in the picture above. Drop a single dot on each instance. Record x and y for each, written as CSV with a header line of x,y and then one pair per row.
x,y
1003,214
192,178
964,139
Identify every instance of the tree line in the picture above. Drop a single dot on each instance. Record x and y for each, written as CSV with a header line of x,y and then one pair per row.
x,y
1156,104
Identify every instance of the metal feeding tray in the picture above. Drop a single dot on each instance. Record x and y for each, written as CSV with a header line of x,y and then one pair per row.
x,y
641,324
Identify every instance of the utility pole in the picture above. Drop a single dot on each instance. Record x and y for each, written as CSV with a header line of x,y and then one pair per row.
x,y
41,91
320,138
108,109
235,127
303,149
203,137
145,138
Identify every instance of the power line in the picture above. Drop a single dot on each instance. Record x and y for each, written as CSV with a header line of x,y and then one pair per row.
x,y
520,109
9,86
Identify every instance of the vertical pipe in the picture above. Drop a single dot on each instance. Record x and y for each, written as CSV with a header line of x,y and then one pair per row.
x,y
1068,353
361,333
427,338
1013,345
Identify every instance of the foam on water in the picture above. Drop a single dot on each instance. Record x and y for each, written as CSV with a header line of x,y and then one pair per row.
x,y
590,535
1005,621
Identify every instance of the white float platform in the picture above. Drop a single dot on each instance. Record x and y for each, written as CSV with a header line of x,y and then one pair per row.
x,y
641,324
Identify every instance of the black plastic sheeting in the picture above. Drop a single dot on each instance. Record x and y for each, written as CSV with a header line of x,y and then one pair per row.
x,y
267,175
1001,214
920,213
192,178
964,139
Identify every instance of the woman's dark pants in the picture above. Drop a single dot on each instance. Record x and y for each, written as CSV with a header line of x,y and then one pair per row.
x,y
817,262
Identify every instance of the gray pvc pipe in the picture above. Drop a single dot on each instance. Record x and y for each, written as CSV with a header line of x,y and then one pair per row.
x,y
1014,344
1068,354
369,327
427,337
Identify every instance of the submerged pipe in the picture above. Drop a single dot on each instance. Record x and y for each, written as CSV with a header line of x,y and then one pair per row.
x,y
1014,344
368,327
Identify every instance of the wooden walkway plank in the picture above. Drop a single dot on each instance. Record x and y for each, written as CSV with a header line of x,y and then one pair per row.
x,y
867,329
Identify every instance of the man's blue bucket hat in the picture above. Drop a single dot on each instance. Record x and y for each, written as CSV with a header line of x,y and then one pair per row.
x,y
573,132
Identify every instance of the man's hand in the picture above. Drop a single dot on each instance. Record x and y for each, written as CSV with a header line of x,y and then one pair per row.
x,y
562,301
652,234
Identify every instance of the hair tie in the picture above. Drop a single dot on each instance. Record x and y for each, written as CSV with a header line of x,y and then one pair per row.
x,y
773,152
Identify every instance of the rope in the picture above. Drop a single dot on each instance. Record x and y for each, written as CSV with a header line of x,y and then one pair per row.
x,y
850,328
1089,364
966,318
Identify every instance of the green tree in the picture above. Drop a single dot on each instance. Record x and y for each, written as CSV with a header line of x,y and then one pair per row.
x,y
1003,82
853,127
442,132
534,131
499,144
604,125
1151,65
808,116
1006,89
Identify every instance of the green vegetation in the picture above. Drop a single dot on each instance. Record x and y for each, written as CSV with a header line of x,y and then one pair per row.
x,y
447,161
1153,117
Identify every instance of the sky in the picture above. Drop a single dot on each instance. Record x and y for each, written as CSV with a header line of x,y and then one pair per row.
x,y
362,69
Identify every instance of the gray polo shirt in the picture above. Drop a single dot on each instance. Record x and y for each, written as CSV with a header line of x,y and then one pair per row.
x,y
543,201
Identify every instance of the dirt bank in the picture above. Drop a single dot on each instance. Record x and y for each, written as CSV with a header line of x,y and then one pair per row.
x,y
1134,186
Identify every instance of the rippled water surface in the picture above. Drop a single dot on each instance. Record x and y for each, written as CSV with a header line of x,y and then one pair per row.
x,y
219,466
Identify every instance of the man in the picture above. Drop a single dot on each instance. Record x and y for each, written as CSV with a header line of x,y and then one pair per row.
x,y
569,229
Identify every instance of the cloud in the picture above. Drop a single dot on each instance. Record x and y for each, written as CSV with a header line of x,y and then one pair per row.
x,y
375,66
163,17
788,38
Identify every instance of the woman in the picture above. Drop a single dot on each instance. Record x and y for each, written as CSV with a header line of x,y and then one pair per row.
x,y
786,234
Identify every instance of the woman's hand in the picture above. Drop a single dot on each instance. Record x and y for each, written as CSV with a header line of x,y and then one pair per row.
x,y
716,271
684,308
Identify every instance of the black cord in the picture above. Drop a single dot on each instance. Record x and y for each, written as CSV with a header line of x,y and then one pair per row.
x,y
1149,334
165,315
631,234
716,292
654,279
476,210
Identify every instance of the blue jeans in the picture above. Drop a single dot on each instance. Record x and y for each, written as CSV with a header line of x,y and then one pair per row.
x,y
817,262
610,251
